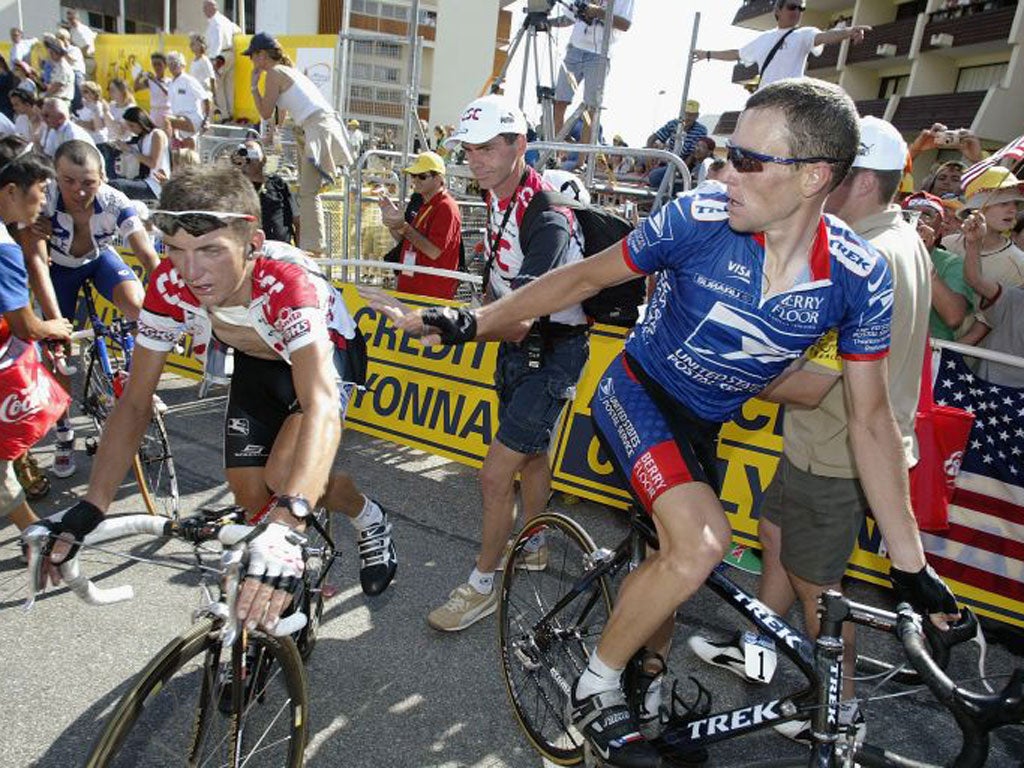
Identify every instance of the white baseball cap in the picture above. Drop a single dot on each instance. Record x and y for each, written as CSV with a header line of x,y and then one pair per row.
x,y
485,118
882,148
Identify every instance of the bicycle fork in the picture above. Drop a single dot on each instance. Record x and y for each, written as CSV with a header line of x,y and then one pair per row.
x,y
833,611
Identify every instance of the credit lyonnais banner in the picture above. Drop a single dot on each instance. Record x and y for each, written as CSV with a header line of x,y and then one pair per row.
x,y
442,400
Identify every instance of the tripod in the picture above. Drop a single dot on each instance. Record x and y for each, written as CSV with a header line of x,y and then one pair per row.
x,y
535,28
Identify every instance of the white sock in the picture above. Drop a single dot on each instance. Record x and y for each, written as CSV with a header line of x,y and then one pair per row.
x,y
482,582
371,514
597,677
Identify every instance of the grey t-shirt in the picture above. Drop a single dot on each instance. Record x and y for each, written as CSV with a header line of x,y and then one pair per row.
x,y
1007,335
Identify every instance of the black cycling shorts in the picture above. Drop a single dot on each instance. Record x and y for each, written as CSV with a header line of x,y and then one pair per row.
x,y
261,397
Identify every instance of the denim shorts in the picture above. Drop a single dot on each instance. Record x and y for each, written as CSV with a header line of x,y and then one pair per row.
x,y
530,400
585,66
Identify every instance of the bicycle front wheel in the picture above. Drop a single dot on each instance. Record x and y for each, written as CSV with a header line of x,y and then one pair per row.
x,y
154,470
551,614
187,708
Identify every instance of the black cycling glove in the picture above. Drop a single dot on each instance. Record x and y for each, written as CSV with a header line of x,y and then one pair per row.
x,y
77,520
924,590
455,325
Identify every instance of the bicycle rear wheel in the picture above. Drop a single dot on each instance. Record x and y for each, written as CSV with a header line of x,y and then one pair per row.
x,y
154,470
544,650
181,708
98,391
319,559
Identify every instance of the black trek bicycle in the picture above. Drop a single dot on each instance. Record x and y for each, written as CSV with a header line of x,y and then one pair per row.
x,y
107,361
550,620
218,694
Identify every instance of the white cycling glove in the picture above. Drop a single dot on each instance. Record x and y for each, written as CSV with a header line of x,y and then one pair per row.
x,y
275,556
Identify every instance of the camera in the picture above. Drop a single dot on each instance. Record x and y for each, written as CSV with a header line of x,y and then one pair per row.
x,y
948,138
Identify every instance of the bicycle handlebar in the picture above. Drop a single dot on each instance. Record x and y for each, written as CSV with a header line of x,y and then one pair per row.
x,y
37,540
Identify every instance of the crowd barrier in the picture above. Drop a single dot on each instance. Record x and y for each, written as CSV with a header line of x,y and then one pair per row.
x,y
441,400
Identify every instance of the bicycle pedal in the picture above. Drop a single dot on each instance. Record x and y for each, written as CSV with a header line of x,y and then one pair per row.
x,y
91,446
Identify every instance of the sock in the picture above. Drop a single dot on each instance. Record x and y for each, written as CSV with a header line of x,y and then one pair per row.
x,y
596,678
63,424
482,582
371,514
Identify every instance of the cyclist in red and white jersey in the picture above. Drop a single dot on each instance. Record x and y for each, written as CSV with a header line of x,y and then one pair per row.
x,y
297,356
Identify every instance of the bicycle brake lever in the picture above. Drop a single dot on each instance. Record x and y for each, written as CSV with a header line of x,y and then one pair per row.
x,y
231,560
940,641
37,542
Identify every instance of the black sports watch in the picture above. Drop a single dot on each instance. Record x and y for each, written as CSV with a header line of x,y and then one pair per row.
x,y
297,506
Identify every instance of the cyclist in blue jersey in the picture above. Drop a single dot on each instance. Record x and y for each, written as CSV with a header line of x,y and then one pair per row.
x,y
747,279
73,241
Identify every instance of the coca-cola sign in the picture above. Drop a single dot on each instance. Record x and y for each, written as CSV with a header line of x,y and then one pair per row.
x,y
22,403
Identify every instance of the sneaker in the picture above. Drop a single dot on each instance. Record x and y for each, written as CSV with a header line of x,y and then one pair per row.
x,y
159,406
64,457
378,560
851,720
464,608
727,654
611,731
529,560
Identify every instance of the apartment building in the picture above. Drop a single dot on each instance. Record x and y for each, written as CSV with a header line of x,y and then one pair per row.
x,y
951,61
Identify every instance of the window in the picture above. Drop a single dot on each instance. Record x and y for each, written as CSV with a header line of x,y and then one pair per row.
x,y
361,92
428,18
387,74
363,48
980,78
389,50
362,71
390,96
893,86
910,10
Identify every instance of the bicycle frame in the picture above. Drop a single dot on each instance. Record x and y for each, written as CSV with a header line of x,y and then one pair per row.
x,y
116,330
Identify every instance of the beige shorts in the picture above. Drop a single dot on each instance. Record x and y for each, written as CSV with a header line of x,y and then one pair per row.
x,y
819,518
11,493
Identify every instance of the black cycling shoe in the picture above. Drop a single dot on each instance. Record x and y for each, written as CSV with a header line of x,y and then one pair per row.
x,y
611,731
378,560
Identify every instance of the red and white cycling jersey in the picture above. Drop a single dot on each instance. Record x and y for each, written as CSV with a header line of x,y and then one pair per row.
x,y
292,305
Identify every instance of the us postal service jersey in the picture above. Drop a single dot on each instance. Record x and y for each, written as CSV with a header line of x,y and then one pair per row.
x,y
711,339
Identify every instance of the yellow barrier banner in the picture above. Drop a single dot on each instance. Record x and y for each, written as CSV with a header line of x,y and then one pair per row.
x,y
126,56
442,400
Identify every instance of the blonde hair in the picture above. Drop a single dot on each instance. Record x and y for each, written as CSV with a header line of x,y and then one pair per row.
x,y
93,89
184,158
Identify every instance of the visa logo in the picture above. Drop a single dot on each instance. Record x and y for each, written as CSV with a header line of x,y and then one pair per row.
x,y
739,270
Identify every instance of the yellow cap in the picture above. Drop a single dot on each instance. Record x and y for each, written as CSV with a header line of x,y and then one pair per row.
x,y
353,123
427,162
692,105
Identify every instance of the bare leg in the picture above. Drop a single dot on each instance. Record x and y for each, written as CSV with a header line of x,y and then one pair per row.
x,y
128,296
497,486
775,589
22,516
559,111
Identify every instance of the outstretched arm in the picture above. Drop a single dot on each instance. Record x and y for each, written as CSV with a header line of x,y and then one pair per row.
x,y
854,34
730,54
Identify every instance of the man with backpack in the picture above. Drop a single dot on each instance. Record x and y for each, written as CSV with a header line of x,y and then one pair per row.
x,y
535,373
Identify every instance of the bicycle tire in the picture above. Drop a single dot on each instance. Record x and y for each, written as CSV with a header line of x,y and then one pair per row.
x,y
154,470
135,732
314,576
540,660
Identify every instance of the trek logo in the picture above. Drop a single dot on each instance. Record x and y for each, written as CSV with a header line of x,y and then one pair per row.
x,y
473,113
776,625
739,270
854,258
731,721
238,427
709,207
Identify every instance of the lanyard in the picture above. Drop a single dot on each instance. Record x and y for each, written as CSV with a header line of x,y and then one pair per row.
x,y
496,240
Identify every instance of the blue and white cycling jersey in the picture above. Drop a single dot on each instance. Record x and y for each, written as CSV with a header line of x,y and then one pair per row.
x,y
711,339
113,214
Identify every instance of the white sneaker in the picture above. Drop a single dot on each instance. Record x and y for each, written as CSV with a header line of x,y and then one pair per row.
x,y
64,457
850,720
727,654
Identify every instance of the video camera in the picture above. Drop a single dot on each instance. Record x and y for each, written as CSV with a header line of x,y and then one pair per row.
x,y
544,7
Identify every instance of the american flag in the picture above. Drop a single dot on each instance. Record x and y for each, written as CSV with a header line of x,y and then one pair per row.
x,y
984,546
1013,151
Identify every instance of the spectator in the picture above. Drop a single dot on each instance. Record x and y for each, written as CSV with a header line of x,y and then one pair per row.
x,y
21,46
944,181
148,153
59,127
279,211
1017,233
201,67
77,62
184,157
94,115
159,85
1002,306
996,194
8,82
323,144
23,179
938,137
433,237
355,136
716,170
82,37
790,44
190,104
220,41
28,122
664,138
121,97
584,58
951,296
61,83
701,159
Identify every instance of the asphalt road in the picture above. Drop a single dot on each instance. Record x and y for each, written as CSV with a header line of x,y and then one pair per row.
x,y
386,689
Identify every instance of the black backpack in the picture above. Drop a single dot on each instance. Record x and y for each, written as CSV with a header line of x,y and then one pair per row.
x,y
617,304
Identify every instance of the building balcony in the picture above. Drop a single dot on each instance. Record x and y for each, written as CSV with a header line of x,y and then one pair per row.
x,y
893,39
872,107
759,10
828,59
726,124
389,26
914,113
980,26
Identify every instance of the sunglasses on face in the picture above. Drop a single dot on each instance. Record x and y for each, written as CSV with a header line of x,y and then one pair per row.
x,y
748,161
195,223
422,176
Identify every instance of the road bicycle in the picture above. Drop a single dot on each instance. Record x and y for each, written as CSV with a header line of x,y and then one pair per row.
x,y
218,694
107,361
550,620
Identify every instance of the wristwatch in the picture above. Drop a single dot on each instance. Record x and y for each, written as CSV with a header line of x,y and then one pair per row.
x,y
297,506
